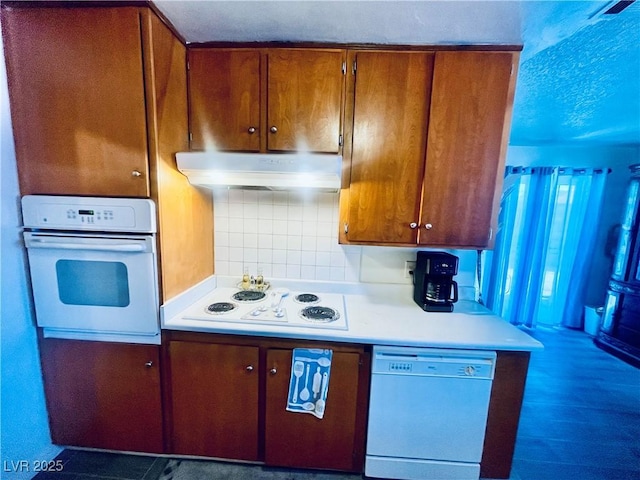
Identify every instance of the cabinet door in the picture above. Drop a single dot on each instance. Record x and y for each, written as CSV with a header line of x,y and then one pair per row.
x,y
468,128
214,398
390,117
304,92
103,395
302,440
224,99
77,100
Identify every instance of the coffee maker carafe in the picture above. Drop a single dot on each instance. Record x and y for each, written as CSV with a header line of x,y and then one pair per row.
x,y
433,286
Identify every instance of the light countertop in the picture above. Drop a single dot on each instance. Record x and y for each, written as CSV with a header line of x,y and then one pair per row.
x,y
378,314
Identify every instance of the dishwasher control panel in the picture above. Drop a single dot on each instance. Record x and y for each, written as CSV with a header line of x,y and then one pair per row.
x,y
401,367
434,362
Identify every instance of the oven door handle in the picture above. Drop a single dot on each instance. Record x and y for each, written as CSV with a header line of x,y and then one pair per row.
x,y
116,247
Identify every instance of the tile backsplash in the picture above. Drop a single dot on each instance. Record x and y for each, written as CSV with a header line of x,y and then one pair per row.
x,y
290,235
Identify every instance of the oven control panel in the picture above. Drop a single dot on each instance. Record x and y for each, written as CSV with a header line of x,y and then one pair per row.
x,y
71,216
89,213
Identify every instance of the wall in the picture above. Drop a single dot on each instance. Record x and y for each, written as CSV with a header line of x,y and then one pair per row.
x,y
294,235
23,416
616,158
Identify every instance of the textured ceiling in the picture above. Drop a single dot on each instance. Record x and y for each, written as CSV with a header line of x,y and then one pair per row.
x,y
579,79
584,88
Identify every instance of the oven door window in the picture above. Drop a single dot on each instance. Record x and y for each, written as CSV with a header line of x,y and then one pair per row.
x,y
93,283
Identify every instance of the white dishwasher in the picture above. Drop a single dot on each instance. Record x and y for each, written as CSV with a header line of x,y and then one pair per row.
x,y
428,412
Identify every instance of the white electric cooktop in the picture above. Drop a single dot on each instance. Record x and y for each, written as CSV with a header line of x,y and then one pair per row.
x,y
278,306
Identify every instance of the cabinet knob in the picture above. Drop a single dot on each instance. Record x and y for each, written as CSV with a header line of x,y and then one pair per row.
x,y
136,173
274,129
252,130
273,371
149,364
428,226
413,225
249,368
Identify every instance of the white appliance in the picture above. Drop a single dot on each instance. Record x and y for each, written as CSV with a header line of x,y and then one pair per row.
x,y
260,170
273,306
88,284
428,413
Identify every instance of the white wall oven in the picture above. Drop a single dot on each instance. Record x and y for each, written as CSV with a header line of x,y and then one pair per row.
x,y
93,267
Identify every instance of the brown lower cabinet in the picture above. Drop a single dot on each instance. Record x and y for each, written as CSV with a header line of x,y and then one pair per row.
x,y
228,397
103,395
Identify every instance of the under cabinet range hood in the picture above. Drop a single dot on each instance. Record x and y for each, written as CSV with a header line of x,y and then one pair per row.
x,y
265,171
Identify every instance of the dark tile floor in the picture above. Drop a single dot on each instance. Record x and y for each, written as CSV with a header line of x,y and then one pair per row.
x,y
85,465
580,421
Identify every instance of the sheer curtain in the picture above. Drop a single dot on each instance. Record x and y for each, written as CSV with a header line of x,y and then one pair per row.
x,y
546,233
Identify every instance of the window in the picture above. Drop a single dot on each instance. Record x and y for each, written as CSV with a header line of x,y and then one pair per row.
x,y
545,236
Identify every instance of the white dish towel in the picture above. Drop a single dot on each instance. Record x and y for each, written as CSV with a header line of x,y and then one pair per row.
x,y
309,384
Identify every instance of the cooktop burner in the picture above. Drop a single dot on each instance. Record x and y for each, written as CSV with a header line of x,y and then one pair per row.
x,y
249,296
219,308
306,298
252,308
319,314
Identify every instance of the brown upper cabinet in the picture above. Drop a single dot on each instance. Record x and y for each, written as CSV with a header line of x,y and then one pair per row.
x,y
77,100
428,142
278,99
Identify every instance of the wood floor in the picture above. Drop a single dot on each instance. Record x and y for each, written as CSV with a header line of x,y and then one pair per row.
x,y
581,414
580,421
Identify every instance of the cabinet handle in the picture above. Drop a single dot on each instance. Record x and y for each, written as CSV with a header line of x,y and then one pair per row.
x,y
249,368
274,129
428,226
273,371
136,173
149,364
251,130
413,225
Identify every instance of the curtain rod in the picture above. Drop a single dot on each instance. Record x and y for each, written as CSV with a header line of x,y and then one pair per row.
x,y
526,170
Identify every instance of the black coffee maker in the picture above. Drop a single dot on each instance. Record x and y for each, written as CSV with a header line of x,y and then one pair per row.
x,y
433,286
